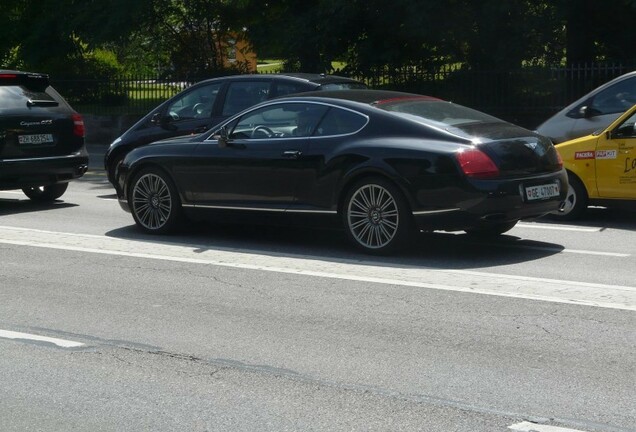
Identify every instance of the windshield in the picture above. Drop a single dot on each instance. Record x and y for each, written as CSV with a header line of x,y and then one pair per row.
x,y
446,113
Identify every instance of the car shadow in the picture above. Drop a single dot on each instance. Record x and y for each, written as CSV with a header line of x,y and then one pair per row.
x,y
9,206
97,182
601,218
436,250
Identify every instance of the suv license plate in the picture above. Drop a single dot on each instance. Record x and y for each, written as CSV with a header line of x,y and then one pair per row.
x,y
36,139
542,192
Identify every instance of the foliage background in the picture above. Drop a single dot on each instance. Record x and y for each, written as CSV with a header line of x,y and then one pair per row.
x,y
441,47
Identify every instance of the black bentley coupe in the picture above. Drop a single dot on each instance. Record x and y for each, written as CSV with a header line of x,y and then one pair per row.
x,y
384,163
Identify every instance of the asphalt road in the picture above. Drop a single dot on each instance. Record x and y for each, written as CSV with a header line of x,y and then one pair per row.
x,y
248,328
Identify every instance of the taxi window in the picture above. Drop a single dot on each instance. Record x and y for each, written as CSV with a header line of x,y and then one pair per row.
x,y
626,129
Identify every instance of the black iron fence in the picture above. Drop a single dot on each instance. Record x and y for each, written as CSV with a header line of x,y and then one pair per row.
x,y
525,96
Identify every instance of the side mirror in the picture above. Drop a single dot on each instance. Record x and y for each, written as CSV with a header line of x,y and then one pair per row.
x,y
585,111
156,119
221,137
162,121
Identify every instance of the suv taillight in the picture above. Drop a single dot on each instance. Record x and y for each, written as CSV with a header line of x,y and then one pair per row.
x,y
78,125
475,163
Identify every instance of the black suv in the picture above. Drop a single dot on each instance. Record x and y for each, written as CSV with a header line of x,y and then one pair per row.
x,y
207,103
41,137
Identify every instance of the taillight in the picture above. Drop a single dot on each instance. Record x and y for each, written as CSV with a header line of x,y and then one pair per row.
x,y
559,159
78,125
475,163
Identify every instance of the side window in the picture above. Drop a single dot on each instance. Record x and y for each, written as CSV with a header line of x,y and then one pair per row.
x,y
244,94
289,88
616,98
197,103
339,122
626,129
286,120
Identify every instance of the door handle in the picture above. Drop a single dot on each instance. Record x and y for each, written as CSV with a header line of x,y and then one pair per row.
x,y
292,154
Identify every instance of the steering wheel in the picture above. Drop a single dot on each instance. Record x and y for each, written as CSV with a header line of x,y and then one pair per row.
x,y
263,130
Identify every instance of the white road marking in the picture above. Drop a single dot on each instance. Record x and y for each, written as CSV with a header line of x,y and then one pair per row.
x,y
550,290
6,334
554,249
533,427
557,227
13,192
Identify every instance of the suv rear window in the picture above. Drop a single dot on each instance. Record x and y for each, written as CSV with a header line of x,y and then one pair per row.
x,y
18,97
18,90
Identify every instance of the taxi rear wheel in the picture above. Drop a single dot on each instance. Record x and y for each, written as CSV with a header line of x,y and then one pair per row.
x,y
575,202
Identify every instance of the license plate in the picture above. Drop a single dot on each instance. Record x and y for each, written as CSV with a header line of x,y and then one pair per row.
x,y
35,139
542,192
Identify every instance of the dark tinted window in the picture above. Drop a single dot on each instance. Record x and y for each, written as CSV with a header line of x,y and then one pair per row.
x,y
289,88
339,121
343,86
627,129
196,103
241,95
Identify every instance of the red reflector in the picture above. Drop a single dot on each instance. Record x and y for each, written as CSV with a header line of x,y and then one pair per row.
x,y
475,163
78,125
559,159
8,75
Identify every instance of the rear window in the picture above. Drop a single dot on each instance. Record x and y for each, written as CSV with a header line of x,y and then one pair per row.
x,y
446,113
18,96
20,89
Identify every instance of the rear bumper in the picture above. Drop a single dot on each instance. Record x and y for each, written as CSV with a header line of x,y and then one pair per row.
x,y
493,202
20,173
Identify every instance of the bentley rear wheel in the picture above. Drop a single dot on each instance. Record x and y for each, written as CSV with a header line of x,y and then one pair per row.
x,y
376,216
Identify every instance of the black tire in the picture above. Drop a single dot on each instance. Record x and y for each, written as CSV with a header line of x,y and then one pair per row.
x,y
376,216
46,193
113,167
491,229
575,202
154,201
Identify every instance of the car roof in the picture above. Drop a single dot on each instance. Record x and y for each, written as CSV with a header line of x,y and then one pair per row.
x,y
31,79
366,96
304,77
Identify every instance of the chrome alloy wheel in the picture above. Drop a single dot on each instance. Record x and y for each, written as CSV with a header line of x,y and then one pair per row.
x,y
151,201
373,216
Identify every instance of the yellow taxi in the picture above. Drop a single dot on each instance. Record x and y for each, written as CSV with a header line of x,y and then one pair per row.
x,y
601,167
